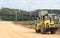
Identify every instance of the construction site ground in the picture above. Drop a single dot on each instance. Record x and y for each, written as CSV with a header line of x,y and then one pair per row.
x,y
10,30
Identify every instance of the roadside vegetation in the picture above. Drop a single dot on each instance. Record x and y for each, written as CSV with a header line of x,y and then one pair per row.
x,y
7,14
30,22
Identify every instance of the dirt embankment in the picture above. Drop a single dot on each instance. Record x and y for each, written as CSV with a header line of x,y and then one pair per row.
x,y
30,26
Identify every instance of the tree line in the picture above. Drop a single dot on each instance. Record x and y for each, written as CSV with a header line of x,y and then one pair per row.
x,y
8,14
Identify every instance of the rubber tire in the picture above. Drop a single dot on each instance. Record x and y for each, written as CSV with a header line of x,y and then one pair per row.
x,y
53,32
38,31
43,31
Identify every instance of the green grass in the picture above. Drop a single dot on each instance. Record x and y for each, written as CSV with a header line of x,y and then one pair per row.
x,y
30,22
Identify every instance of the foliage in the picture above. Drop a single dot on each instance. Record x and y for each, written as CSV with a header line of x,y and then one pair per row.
x,y
30,22
8,14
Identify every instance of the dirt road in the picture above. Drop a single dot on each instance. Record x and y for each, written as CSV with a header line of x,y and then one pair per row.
x,y
10,30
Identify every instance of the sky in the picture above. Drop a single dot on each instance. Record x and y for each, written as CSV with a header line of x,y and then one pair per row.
x,y
30,4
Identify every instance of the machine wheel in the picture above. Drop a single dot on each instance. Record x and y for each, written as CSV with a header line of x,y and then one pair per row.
x,y
38,31
43,31
53,32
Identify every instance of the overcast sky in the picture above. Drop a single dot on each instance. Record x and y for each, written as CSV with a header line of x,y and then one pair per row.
x,y
30,4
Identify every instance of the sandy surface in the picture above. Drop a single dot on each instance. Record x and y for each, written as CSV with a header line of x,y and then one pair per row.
x,y
10,30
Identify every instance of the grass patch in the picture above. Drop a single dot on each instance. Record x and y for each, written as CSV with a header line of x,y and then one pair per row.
x,y
30,22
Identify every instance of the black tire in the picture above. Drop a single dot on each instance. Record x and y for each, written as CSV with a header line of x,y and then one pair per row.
x,y
53,32
38,31
43,30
